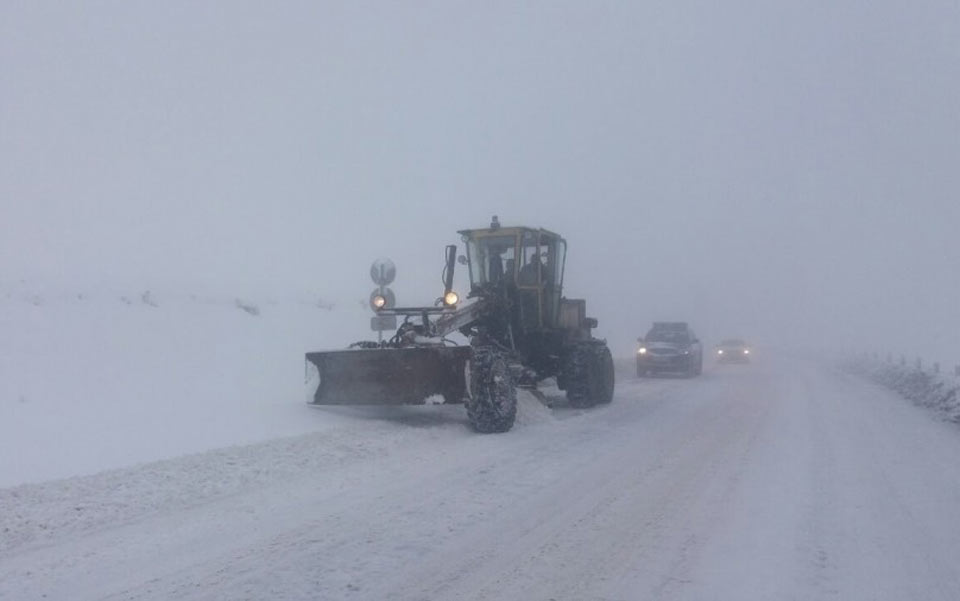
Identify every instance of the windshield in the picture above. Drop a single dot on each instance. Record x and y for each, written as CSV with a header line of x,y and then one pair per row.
x,y
492,259
667,335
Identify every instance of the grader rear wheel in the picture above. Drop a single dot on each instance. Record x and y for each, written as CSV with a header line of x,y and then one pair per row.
x,y
589,375
605,376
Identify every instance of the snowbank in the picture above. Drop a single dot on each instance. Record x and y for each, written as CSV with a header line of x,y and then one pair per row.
x,y
934,391
36,512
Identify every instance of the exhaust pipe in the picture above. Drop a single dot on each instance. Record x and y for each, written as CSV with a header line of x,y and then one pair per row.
x,y
448,270
450,298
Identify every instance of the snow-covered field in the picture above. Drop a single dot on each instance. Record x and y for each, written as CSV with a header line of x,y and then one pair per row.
x,y
190,468
97,379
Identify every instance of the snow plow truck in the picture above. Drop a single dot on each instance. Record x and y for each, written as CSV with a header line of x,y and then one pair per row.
x,y
519,327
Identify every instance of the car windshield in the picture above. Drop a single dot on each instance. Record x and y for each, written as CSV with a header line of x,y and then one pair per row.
x,y
667,335
733,342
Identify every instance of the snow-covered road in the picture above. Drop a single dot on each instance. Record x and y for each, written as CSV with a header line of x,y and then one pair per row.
x,y
778,480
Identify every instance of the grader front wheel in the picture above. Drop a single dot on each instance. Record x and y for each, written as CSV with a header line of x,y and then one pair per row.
x,y
492,402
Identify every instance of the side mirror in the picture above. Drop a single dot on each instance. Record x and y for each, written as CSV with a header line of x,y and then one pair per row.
x,y
462,260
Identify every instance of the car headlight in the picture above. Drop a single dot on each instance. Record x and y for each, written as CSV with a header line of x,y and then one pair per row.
x,y
720,352
746,351
379,301
451,298
642,351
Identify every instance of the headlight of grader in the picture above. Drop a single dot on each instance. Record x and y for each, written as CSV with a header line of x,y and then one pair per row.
x,y
451,298
642,351
379,301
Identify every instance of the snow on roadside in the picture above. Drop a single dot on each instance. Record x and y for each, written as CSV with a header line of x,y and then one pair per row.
x,y
938,392
33,513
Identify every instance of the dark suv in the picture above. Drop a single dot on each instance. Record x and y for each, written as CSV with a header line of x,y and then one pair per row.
x,y
670,346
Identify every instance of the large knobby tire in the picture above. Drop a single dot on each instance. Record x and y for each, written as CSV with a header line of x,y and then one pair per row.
x,y
492,402
589,375
605,377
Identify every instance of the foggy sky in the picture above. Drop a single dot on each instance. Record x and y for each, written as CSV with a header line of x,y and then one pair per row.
x,y
773,172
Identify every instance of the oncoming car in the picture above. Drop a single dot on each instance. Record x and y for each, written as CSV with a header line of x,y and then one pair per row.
x,y
669,346
733,350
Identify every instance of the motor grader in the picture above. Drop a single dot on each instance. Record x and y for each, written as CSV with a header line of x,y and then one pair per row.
x,y
521,330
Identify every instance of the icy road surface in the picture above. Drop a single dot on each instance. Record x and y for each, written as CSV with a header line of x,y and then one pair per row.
x,y
781,480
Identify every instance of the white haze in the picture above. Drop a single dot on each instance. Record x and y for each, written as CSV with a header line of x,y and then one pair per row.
x,y
787,173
